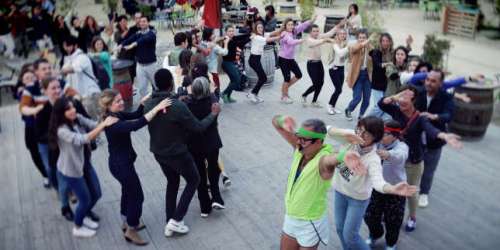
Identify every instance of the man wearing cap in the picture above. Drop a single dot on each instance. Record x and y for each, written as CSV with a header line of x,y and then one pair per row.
x,y
313,165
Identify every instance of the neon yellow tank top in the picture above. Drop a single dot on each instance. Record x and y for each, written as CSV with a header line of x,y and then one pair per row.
x,y
307,198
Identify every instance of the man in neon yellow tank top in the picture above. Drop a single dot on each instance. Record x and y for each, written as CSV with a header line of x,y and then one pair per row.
x,y
306,220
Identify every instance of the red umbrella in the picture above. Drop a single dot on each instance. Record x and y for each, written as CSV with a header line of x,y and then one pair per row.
x,y
211,14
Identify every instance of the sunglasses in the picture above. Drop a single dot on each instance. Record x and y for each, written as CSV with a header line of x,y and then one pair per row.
x,y
303,139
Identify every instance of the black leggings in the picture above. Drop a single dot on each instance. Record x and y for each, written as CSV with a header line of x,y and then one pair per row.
x,y
337,76
208,165
32,146
389,207
317,74
256,65
173,168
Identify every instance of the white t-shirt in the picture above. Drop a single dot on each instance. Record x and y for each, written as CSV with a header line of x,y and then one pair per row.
x,y
258,43
83,79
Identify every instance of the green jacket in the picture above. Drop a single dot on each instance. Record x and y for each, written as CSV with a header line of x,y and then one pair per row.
x,y
169,131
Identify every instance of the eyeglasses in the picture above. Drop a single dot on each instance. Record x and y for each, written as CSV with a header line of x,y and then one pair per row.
x,y
362,132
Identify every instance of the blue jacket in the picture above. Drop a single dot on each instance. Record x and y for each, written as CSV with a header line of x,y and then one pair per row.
x,y
145,52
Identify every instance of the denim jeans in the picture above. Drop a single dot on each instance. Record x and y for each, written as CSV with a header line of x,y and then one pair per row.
x,y
349,214
173,168
59,184
431,161
132,194
361,90
43,149
87,190
376,95
234,77
32,146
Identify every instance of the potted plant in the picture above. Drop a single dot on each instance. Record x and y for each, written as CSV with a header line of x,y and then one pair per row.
x,y
435,50
306,11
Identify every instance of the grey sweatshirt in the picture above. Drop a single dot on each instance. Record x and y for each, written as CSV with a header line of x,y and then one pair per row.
x,y
393,168
71,144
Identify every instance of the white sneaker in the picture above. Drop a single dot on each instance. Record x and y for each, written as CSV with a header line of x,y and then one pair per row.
x,y
286,100
168,233
254,98
316,105
90,223
390,248
423,201
204,215
259,99
83,232
46,183
304,101
218,206
370,242
332,111
177,227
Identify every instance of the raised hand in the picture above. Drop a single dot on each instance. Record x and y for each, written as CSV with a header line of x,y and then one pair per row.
x,y
404,189
110,120
453,140
409,40
354,139
215,108
163,105
353,162
145,98
289,124
384,154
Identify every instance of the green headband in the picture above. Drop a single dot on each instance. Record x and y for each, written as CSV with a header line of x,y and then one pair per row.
x,y
310,134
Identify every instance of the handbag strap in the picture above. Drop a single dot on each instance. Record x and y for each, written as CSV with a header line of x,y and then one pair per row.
x,y
410,122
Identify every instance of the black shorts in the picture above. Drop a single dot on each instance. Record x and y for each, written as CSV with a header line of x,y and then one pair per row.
x,y
287,66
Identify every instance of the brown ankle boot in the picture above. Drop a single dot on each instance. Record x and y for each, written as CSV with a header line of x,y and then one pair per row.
x,y
131,235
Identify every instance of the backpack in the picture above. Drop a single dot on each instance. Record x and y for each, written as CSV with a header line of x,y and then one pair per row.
x,y
100,73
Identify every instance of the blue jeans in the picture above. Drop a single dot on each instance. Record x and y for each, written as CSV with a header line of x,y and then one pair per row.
x,y
361,89
349,214
43,149
431,161
87,190
376,95
234,77
58,183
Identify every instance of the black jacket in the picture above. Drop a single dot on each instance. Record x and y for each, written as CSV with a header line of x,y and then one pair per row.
x,y
208,140
169,131
413,135
118,136
442,104
379,79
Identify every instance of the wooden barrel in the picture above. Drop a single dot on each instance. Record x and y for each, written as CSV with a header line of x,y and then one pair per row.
x,y
331,21
471,120
122,80
268,64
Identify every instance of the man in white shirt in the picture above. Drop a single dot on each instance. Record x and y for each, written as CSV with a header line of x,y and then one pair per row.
x,y
79,74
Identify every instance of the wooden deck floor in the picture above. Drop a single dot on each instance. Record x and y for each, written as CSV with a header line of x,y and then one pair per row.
x,y
463,211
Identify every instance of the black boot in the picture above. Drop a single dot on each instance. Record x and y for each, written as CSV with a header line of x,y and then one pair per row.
x,y
67,213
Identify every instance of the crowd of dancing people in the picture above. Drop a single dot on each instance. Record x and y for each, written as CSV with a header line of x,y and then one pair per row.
x,y
387,160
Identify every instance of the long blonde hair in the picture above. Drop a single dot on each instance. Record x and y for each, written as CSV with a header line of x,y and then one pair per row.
x,y
105,101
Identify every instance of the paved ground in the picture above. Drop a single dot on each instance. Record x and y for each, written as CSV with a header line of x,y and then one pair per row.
x,y
464,204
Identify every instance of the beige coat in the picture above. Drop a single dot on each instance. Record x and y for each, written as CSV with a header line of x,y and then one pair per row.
x,y
356,55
